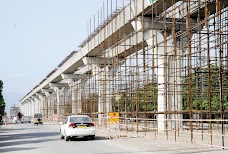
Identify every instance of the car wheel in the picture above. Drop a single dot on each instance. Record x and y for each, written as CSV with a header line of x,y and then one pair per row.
x,y
92,137
61,136
66,137
29,122
21,122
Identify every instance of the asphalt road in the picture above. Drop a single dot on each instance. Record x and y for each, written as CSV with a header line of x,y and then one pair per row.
x,y
44,139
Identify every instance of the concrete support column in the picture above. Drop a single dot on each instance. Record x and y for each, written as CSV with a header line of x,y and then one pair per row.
x,y
42,101
38,107
46,106
32,101
72,79
104,95
57,92
109,82
27,104
174,94
101,88
77,91
33,107
74,99
23,112
49,105
52,103
62,101
48,93
30,109
22,108
79,96
103,76
164,78
160,79
26,108
80,86
148,34
36,103
59,89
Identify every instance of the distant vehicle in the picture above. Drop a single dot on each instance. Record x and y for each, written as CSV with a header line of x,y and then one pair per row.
x,y
26,119
38,119
77,126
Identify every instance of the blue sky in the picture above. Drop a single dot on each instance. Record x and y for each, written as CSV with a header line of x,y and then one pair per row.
x,y
35,36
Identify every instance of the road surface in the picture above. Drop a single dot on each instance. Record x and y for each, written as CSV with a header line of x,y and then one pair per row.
x,y
44,139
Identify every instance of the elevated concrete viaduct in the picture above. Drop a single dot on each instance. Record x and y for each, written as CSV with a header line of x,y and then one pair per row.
x,y
147,38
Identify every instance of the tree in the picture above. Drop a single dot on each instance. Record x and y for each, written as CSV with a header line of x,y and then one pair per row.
x,y
2,102
199,90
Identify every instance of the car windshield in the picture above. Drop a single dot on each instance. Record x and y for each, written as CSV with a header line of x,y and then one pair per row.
x,y
26,117
80,120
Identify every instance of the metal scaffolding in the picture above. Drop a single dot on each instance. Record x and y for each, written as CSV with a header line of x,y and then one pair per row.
x,y
166,68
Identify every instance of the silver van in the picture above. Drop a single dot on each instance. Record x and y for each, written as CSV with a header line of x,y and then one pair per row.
x,y
26,119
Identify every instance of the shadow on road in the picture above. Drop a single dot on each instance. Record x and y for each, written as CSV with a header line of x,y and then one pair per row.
x,y
85,139
11,137
101,138
15,149
3,130
27,136
6,144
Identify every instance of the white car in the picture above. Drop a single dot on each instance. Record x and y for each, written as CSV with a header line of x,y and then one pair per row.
x,y
77,126
26,119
